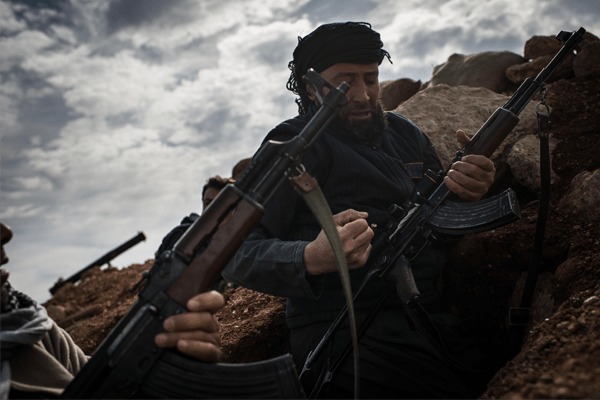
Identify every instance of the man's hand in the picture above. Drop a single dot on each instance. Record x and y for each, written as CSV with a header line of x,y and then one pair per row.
x,y
195,333
471,177
355,235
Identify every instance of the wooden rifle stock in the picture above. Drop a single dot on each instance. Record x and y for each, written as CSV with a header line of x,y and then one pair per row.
x,y
204,270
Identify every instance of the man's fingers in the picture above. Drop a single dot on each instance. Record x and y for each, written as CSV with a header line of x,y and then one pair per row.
x,y
462,138
348,216
170,339
202,345
211,301
353,229
191,322
481,161
204,351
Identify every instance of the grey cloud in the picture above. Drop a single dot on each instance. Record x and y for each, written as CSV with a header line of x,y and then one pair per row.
x,y
424,42
133,13
212,129
578,7
120,120
39,14
276,51
43,114
318,10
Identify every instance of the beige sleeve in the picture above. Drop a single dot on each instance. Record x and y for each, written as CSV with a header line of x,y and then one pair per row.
x,y
49,365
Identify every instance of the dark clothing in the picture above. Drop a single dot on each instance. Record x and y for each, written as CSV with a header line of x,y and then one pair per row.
x,y
365,177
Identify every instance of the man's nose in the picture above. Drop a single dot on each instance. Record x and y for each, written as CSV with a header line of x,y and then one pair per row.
x,y
360,93
5,234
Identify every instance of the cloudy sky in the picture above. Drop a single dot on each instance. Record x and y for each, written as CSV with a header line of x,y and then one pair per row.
x,y
114,113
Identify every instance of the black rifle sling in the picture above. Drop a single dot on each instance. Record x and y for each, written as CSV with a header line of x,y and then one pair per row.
x,y
521,317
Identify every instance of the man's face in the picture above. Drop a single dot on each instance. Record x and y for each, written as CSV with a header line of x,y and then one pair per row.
x,y
362,110
209,196
7,234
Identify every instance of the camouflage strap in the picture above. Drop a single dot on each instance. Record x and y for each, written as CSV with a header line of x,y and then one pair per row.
x,y
313,196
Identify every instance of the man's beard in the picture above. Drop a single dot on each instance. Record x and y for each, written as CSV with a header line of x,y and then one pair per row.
x,y
364,130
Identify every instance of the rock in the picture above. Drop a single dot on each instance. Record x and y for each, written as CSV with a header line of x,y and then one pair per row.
x,y
394,93
518,73
441,110
487,69
524,161
587,38
587,61
57,313
539,46
584,197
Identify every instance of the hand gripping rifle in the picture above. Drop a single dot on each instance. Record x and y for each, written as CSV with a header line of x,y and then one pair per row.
x,y
129,364
430,213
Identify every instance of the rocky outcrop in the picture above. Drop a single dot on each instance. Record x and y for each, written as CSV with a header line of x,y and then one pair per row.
x,y
587,62
487,69
441,110
518,73
584,195
524,161
539,51
393,93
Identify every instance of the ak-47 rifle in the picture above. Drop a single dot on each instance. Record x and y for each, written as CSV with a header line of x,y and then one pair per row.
x,y
129,364
429,213
105,259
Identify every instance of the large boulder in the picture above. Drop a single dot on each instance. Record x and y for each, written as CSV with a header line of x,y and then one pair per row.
x,y
587,37
441,110
540,50
518,73
587,62
524,161
393,93
540,46
487,69
583,197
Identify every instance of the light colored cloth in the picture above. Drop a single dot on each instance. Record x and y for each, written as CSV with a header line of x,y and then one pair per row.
x,y
42,357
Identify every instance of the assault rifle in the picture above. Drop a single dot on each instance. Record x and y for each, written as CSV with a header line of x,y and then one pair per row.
x,y
431,213
128,363
105,259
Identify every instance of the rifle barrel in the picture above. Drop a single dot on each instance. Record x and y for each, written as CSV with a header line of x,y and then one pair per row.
x,y
101,261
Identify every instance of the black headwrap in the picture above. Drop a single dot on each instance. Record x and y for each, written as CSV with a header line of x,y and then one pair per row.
x,y
329,44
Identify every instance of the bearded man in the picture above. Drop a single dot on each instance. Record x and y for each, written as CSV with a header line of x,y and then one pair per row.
x,y
365,161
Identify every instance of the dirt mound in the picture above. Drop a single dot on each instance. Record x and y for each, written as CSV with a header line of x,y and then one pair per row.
x,y
252,324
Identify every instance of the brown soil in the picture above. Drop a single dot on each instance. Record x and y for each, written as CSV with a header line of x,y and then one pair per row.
x,y
560,357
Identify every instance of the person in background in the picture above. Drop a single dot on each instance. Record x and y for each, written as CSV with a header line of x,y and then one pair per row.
x,y
39,358
215,184
212,188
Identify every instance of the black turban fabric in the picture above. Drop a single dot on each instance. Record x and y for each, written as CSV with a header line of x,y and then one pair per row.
x,y
329,44
348,42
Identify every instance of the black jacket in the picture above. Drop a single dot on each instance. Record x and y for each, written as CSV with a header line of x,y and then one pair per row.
x,y
352,174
